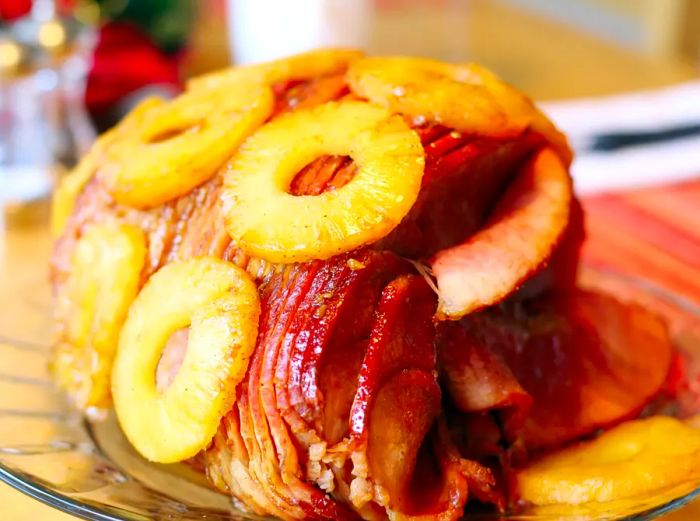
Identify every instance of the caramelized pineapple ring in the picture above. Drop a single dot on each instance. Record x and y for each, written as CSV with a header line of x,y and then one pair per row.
x,y
451,95
266,221
219,302
183,143
104,280
299,67
69,188
636,458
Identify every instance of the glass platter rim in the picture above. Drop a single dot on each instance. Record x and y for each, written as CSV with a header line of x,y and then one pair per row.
x,y
84,509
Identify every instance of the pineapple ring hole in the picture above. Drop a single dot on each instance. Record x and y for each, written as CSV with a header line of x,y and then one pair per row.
x,y
322,175
171,358
166,134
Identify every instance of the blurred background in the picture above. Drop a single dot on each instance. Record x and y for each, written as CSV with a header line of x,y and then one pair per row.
x,y
71,68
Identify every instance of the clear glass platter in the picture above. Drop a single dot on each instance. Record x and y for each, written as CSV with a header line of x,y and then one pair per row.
x,y
89,470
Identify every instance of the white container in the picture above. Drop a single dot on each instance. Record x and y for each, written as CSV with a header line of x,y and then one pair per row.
x,y
261,30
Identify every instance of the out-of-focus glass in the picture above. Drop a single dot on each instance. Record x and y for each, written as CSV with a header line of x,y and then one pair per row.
x,y
44,128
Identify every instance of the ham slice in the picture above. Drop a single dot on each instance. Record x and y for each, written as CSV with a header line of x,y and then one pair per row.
x,y
587,360
478,380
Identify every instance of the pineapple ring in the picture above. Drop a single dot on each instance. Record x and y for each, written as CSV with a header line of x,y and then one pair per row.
x,y
456,96
298,67
635,459
268,222
105,277
67,191
183,143
220,304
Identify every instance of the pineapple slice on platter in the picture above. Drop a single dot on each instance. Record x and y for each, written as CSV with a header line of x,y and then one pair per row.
x,y
635,459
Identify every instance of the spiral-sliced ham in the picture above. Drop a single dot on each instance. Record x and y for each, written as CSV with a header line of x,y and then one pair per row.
x,y
341,413
363,430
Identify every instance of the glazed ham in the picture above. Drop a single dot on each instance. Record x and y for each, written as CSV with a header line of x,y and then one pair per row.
x,y
356,400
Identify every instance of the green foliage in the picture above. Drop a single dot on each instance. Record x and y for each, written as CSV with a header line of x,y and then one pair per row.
x,y
167,22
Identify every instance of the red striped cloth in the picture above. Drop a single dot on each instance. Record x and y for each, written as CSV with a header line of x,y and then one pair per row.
x,y
653,233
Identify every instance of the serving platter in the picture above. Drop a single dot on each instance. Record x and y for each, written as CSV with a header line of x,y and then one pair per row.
x,y
86,467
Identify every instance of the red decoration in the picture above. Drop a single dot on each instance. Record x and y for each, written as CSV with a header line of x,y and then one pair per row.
x,y
12,9
124,61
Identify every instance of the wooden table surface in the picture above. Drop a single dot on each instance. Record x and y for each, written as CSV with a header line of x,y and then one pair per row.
x,y
544,58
